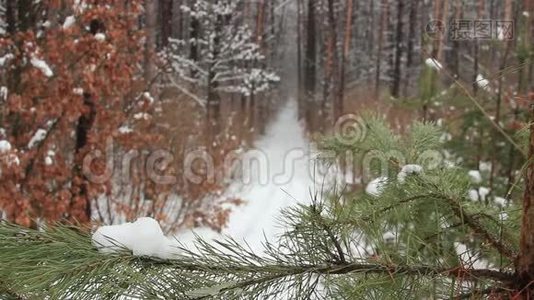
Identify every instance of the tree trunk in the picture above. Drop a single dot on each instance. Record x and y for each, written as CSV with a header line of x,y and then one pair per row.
x,y
443,38
455,51
309,64
475,67
260,21
525,260
331,62
194,35
11,18
299,63
25,14
370,33
410,49
311,51
166,9
395,89
151,11
214,101
344,59
412,33
384,15
84,126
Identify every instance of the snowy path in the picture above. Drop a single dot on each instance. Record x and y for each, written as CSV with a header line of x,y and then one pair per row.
x,y
283,180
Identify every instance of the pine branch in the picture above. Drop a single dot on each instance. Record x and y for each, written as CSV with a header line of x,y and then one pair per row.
x,y
475,225
61,261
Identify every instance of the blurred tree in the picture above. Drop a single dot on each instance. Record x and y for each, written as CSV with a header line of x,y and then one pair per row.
x,y
69,85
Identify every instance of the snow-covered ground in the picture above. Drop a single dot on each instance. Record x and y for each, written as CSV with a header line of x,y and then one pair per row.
x,y
283,177
285,180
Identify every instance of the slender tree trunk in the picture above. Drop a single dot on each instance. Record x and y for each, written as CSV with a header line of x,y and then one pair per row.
x,y
311,51
525,260
475,67
83,128
455,43
194,35
25,14
166,9
443,38
499,96
260,21
214,101
332,59
498,108
384,15
437,16
299,61
371,37
11,18
529,8
344,58
476,45
412,33
309,64
151,10
395,89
